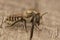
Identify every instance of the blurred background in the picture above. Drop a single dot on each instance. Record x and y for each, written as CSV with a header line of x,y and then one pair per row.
x,y
50,22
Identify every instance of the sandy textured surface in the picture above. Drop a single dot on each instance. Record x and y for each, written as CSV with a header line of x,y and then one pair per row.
x,y
50,23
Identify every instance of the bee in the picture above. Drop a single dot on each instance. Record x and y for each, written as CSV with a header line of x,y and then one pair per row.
x,y
27,15
31,15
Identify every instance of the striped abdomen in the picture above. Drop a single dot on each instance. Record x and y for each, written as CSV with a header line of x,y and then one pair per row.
x,y
13,18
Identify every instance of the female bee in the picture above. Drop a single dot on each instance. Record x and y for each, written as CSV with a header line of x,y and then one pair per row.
x,y
26,15
15,18
31,15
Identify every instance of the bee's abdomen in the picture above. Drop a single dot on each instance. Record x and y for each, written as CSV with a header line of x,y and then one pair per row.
x,y
13,18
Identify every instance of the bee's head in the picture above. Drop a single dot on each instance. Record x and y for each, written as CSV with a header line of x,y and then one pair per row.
x,y
30,12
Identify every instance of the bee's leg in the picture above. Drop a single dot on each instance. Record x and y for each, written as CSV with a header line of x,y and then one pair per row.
x,y
32,28
38,23
38,20
25,25
15,22
37,27
31,35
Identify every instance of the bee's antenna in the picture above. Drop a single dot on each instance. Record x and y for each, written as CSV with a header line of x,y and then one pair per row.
x,y
44,13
